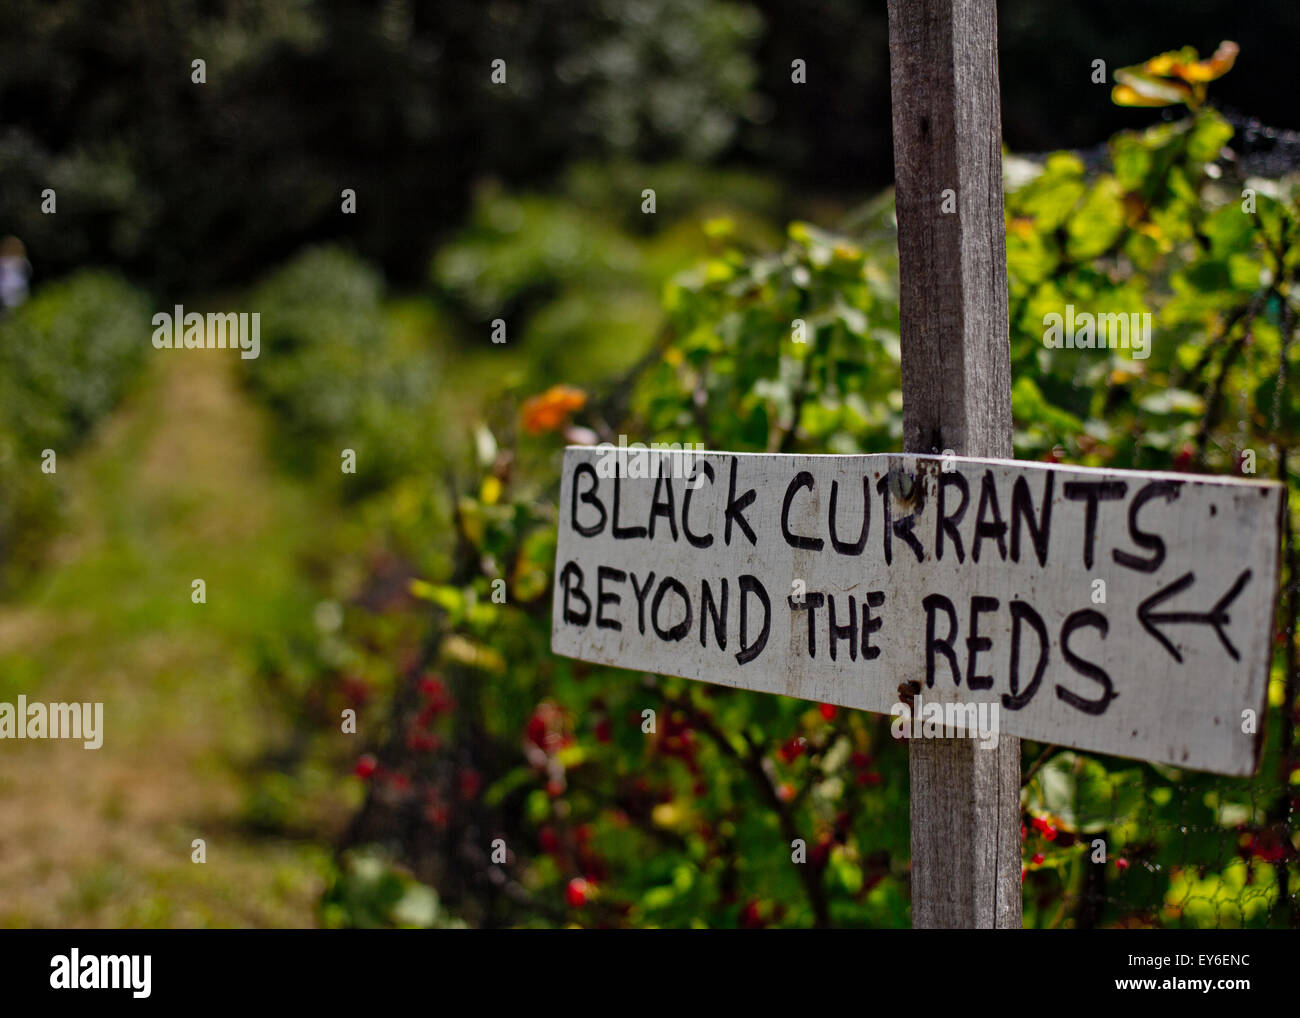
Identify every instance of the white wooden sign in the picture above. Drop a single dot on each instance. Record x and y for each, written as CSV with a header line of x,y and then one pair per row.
x,y
1124,612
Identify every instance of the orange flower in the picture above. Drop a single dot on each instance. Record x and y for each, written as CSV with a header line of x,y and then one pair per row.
x,y
549,410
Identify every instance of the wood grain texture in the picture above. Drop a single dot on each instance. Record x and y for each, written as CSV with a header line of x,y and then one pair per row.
x,y
952,266
956,395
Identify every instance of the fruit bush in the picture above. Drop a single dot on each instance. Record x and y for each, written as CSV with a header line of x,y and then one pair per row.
x,y
529,789
66,358
322,320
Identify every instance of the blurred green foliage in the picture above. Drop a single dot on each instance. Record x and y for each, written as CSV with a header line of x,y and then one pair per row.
x,y
368,892
66,358
339,376
187,186
192,185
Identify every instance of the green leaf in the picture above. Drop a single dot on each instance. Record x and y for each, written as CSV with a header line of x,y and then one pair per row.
x,y
1084,795
1099,220
1210,133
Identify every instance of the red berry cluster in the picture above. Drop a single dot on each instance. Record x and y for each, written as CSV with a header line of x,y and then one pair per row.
x,y
545,734
570,848
367,766
435,701
1041,826
864,772
1267,846
546,729
469,783
356,691
678,739
1044,827
755,915
576,892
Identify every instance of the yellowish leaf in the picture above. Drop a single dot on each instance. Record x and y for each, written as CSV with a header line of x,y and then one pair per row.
x,y
1216,66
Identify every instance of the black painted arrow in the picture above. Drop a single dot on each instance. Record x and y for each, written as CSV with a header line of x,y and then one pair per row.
x,y
1216,616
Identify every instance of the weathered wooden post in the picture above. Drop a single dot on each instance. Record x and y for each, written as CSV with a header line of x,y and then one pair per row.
x,y
956,396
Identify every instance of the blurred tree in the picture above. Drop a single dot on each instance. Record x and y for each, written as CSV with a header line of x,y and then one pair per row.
x,y
194,184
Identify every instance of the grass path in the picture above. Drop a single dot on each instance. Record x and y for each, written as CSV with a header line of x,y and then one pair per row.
x,y
175,486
